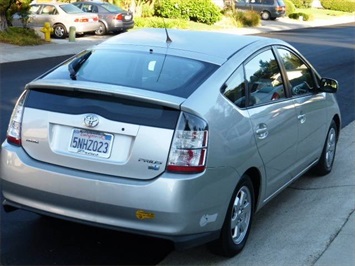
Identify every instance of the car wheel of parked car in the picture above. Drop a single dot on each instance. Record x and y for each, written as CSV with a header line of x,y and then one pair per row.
x,y
325,164
265,15
236,227
59,31
101,30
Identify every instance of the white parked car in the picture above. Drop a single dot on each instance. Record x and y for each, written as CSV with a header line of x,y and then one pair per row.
x,y
61,17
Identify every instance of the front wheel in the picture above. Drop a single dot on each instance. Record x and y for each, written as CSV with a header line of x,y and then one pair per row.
x,y
236,227
325,163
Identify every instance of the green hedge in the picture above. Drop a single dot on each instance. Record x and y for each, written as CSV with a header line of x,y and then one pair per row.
x,y
339,5
290,7
157,22
203,11
302,3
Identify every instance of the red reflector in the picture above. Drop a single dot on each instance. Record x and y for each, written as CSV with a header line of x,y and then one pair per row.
x,y
13,140
81,20
185,169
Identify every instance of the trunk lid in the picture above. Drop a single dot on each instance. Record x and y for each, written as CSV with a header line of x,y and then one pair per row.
x,y
97,132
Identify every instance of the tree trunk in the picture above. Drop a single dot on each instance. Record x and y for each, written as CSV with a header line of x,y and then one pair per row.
x,y
3,22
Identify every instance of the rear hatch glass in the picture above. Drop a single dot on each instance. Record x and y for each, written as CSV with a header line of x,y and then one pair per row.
x,y
177,76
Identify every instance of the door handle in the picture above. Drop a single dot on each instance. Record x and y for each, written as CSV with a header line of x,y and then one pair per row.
x,y
301,118
262,131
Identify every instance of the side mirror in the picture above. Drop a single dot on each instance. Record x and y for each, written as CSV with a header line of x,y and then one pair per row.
x,y
328,85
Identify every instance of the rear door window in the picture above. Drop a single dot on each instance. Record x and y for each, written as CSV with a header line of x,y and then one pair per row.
x,y
264,79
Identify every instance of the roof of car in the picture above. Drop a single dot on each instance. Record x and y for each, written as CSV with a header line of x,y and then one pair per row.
x,y
212,44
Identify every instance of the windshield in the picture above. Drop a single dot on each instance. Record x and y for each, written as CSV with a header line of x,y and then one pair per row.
x,y
172,75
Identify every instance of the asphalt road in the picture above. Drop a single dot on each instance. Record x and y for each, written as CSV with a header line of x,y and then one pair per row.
x,y
27,238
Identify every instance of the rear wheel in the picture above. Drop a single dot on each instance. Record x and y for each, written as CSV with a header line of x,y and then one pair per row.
x,y
60,31
325,163
101,30
265,15
236,227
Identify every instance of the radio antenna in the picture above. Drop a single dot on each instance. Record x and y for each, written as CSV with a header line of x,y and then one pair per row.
x,y
168,40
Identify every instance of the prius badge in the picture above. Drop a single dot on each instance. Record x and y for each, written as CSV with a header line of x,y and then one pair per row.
x,y
91,120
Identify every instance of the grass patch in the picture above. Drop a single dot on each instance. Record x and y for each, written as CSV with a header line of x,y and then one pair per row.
x,y
20,36
319,13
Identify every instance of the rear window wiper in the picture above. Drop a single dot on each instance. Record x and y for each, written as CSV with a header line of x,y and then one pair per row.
x,y
76,64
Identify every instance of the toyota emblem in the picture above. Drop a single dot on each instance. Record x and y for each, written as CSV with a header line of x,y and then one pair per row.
x,y
91,121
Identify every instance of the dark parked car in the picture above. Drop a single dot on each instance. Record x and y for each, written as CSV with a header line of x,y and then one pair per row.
x,y
268,9
112,18
181,136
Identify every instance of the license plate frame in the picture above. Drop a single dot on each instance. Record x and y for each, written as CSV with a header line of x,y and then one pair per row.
x,y
91,143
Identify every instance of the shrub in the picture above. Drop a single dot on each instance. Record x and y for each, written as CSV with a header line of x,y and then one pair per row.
x,y
157,22
204,11
305,17
302,3
147,10
248,18
339,5
290,7
170,9
20,36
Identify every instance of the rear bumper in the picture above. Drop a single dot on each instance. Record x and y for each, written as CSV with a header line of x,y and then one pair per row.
x,y
86,27
188,211
118,26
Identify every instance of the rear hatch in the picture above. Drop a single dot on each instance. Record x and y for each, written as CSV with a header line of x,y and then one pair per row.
x,y
98,132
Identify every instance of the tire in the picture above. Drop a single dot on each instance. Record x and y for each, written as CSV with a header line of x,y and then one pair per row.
x,y
59,31
237,224
101,30
325,163
265,15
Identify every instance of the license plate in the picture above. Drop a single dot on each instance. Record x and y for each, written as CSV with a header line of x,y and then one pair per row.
x,y
91,143
128,17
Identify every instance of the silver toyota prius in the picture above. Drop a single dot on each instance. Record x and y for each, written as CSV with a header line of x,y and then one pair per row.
x,y
179,135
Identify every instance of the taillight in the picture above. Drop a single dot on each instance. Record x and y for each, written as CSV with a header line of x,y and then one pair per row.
x,y
189,147
118,17
81,20
14,129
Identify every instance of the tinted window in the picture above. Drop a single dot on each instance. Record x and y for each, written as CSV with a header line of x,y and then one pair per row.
x,y
235,88
34,9
48,10
154,72
265,83
298,74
